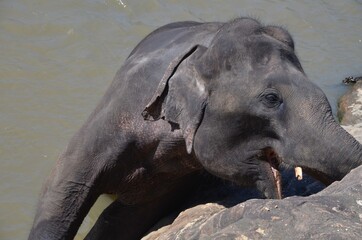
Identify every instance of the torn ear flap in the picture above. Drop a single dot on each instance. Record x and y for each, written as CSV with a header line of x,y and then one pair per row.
x,y
153,110
177,100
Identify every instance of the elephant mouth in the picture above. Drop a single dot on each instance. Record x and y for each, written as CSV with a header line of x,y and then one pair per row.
x,y
271,165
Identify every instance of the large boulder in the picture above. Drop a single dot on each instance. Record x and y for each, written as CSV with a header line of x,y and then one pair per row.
x,y
350,110
350,106
332,213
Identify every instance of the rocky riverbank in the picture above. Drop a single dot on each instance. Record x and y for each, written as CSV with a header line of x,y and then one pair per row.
x,y
333,213
350,111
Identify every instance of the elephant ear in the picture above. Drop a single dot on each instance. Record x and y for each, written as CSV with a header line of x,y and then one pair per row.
x,y
181,96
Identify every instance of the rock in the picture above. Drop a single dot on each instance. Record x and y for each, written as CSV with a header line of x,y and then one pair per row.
x,y
236,213
351,80
350,106
187,224
334,213
350,110
355,130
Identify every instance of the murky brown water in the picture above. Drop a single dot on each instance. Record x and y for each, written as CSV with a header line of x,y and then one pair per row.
x,y
58,57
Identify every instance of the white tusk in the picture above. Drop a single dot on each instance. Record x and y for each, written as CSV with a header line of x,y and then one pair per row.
x,y
298,173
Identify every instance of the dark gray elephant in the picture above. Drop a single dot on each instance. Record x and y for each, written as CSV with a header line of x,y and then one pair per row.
x,y
230,98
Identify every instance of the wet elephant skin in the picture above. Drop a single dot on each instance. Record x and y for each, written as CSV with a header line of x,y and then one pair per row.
x,y
228,98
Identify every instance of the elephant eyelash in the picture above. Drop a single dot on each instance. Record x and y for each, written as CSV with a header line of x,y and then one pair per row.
x,y
271,98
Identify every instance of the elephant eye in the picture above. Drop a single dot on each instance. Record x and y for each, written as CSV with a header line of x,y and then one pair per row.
x,y
271,98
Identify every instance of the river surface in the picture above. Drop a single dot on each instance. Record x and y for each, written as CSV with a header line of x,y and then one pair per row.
x,y
58,57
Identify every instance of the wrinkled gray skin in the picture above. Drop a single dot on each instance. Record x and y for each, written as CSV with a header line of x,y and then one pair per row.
x,y
231,98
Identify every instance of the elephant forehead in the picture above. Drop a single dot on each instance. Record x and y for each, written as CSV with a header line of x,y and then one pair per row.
x,y
266,52
233,92
254,60
232,99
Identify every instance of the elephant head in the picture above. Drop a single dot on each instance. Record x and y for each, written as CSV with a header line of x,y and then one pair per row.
x,y
246,108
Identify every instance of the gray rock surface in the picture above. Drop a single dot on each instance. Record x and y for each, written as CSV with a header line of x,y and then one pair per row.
x,y
350,106
333,213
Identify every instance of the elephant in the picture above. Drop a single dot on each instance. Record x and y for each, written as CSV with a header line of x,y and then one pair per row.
x,y
227,98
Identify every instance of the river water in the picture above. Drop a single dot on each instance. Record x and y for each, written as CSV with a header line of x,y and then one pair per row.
x,y
58,57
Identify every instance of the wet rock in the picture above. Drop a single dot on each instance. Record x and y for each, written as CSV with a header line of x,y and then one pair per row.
x,y
355,130
351,80
350,110
188,224
224,211
350,106
334,213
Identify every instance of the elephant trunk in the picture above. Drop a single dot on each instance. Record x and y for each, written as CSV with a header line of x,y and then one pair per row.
x,y
66,199
330,154
345,152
